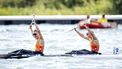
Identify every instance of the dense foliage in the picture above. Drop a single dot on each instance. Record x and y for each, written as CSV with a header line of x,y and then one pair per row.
x,y
60,7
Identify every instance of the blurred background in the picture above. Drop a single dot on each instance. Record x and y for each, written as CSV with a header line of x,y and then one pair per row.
x,y
60,7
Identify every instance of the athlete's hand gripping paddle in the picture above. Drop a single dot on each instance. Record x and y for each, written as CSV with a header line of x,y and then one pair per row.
x,y
81,23
33,20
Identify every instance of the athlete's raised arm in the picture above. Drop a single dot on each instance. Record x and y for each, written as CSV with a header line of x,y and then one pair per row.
x,y
37,28
80,34
30,27
89,30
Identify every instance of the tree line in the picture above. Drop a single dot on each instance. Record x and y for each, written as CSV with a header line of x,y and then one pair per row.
x,y
58,4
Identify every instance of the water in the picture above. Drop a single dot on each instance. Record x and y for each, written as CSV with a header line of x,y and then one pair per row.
x,y
59,40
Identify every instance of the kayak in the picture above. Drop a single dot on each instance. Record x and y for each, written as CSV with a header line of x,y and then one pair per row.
x,y
74,53
22,53
100,25
82,52
17,56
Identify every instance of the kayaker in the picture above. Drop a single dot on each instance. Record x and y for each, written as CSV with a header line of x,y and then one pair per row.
x,y
90,36
39,47
104,21
86,21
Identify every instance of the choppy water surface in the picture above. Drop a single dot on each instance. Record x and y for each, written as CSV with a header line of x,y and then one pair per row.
x,y
59,40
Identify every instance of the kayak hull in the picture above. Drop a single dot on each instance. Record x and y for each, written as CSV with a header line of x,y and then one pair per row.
x,y
93,26
5,56
103,56
83,52
99,26
28,54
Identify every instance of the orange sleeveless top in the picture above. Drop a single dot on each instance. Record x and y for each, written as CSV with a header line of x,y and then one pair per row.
x,y
94,45
39,45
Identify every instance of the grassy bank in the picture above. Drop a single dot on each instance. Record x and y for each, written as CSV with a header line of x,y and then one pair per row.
x,y
39,8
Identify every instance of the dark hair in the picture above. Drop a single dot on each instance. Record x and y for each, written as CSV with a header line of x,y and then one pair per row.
x,y
34,34
35,30
103,15
88,16
90,33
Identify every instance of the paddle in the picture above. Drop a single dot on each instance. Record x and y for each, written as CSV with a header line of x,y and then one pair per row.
x,y
72,29
78,25
33,20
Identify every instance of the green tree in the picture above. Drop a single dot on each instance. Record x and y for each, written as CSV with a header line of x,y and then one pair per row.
x,y
67,3
17,3
117,6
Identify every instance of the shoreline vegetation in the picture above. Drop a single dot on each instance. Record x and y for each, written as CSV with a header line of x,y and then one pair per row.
x,y
60,7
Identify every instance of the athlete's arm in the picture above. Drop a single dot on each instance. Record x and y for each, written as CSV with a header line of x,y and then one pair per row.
x,y
37,28
88,29
31,28
90,32
80,34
